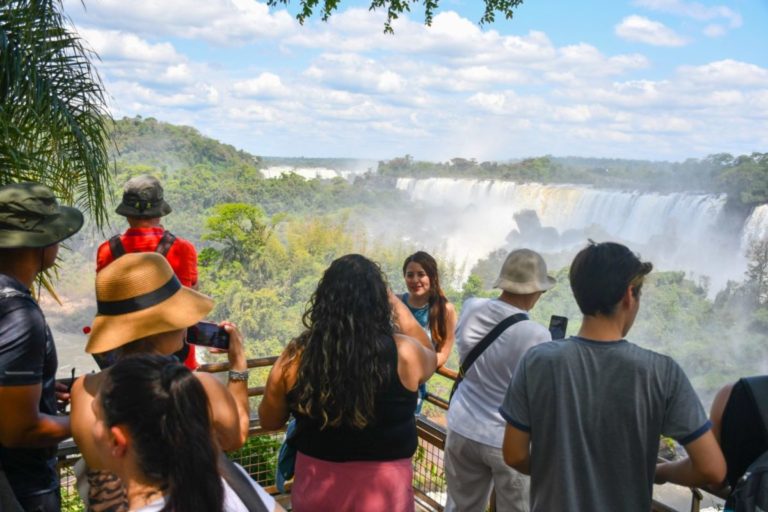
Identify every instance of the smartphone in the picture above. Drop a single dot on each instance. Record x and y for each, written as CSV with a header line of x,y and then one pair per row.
x,y
557,326
208,334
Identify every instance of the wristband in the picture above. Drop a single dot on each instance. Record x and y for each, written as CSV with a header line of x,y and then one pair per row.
x,y
238,376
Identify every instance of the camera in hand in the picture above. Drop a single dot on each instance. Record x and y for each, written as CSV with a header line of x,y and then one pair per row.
x,y
208,334
557,326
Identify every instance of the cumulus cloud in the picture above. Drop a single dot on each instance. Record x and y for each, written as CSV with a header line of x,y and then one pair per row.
x,y
694,10
726,72
114,44
266,85
642,30
344,88
222,22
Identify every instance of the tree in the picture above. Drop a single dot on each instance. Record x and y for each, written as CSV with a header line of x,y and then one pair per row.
x,y
53,115
395,8
757,270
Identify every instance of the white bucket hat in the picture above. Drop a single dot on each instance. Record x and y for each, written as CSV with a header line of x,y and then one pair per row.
x,y
524,271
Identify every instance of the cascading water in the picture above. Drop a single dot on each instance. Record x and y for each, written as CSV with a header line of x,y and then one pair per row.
x,y
756,227
308,173
676,231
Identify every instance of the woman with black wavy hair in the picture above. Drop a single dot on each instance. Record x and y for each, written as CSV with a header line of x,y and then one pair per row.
x,y
153,429
350,381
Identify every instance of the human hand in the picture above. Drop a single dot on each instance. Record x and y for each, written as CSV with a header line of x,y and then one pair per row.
x,y
236,351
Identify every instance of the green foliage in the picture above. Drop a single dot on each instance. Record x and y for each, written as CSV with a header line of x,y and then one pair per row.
x,y
395,8
53,114
259,457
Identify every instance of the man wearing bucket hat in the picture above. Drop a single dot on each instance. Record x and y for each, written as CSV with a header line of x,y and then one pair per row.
x,y
585,415
32,224
143,205
473,460
142,307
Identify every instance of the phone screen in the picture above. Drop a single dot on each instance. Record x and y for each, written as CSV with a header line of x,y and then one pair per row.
x,y
208,334
557,326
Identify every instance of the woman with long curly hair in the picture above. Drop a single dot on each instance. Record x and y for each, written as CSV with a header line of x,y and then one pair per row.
x,y
351,383
429,306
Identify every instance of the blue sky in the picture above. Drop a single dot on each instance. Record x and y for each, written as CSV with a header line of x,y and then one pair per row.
x,y
655,79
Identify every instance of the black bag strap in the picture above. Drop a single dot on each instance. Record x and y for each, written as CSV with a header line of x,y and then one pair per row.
x,y
116,246
165,243
241,484
757,387
478,349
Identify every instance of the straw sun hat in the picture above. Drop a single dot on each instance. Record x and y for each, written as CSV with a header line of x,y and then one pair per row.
x,y
138,295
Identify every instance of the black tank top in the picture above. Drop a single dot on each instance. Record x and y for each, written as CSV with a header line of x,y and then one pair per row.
x,y
391,436
743,436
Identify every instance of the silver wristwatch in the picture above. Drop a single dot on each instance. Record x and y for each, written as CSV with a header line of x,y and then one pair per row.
x,y
238,376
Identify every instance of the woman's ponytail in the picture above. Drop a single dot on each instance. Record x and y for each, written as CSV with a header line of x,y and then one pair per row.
x,y
166,410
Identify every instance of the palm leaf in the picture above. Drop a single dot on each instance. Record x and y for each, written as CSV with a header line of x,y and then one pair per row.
x,y
53,114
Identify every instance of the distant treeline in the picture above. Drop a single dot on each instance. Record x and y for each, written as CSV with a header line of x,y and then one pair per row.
x,y
744,178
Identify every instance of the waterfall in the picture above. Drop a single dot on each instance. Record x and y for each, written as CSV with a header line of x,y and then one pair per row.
x,y
678,231
756,226
308,173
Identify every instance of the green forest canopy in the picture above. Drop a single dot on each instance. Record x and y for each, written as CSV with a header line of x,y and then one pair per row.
x,y
263,245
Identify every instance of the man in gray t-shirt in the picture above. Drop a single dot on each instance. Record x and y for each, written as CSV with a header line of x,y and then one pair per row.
x,y
584,415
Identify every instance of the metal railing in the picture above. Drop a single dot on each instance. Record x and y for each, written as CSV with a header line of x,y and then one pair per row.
x,y
259,455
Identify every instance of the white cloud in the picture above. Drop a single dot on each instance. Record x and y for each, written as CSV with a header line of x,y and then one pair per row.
x,y
693,10
726,72
490,102
642,30
114,44
222,22
266,85
455,89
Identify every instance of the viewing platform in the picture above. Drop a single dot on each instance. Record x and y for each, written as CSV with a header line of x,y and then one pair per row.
x,y
259,457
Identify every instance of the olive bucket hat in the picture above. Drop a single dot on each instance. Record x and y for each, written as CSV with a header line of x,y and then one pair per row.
x,y
143,198
31,217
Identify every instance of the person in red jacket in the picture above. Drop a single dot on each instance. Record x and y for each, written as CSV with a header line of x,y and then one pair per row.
x,y
143,206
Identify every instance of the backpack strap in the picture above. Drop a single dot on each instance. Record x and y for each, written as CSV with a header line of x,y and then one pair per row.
x,y
165,243
116,246
757,387
241,484
478,349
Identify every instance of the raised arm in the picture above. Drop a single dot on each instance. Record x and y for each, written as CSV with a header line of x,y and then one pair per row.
x,y
273,409
405,323
416,363
229,405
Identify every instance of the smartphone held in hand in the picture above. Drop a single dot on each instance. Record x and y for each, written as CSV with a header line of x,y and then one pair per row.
x,y
557,326
208,334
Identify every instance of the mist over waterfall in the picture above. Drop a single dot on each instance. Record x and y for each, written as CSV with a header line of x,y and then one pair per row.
x,y
677,231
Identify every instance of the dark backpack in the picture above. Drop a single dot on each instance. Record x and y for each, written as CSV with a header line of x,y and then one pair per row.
x,y
751,491
163,246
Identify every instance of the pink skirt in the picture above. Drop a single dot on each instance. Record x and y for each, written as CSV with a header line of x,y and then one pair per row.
x,y
360,486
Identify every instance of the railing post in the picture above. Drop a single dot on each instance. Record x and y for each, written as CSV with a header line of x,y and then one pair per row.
x,y
696,498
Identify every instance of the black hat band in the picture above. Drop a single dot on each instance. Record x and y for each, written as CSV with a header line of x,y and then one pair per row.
x,y
146,301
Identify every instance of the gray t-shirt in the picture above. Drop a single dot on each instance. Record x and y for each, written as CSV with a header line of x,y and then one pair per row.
x,y
595,412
